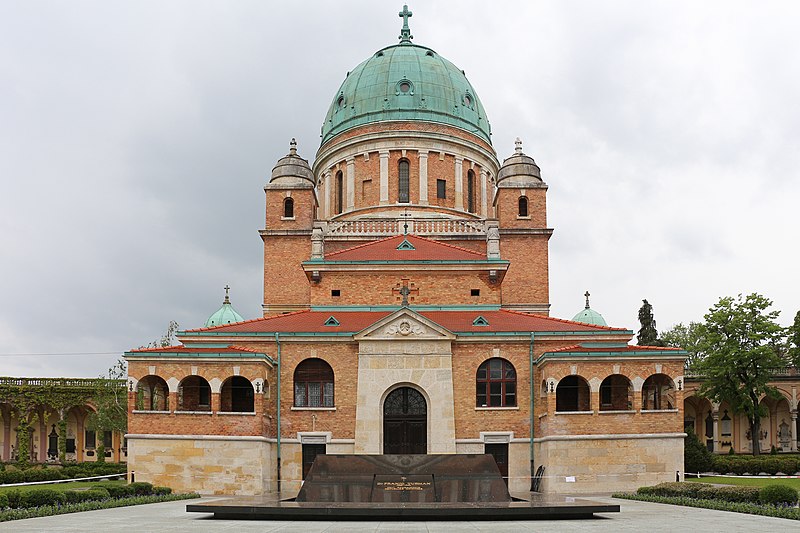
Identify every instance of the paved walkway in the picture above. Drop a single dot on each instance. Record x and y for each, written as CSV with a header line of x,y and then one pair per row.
x,y
634,516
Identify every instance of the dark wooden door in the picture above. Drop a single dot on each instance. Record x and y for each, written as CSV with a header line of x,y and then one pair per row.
x,y
310,452
500,454
405,422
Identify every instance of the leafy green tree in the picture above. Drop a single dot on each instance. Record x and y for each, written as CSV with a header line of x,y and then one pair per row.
x,y
739,339
690,338
696,457
168,339
648,334
111,405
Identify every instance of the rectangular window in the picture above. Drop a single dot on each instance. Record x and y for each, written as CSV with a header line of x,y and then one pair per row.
x,y
90,438
336,293
441,188
300,394
310,452
475,292
70,446
107,443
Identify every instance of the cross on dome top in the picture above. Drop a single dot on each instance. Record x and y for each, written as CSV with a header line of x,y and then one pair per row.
x,y
293,147
227,298
405,33
518,146
587,299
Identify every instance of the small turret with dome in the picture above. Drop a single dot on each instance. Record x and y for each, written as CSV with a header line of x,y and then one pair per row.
x,y
589,315
225,314
292,171
519,170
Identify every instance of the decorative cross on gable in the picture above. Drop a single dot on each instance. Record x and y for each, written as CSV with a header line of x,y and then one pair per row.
x,y
404,290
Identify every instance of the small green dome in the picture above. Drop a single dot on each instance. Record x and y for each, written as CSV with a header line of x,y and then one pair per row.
x,y
588,315
225,314
406,82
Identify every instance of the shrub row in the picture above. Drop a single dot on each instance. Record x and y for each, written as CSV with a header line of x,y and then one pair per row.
x,y
741,464
50,510
792,513
28,498
771,494
67,472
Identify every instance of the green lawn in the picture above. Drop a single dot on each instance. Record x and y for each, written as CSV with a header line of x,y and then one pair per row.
x,y
64,486
748,481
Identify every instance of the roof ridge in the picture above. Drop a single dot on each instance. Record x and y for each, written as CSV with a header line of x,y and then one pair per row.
x,y
561,320
564,348
357,246
627,347
157,349
259,319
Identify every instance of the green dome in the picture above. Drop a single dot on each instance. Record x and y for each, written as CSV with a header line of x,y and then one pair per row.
x,y
406,82
224,315
588,315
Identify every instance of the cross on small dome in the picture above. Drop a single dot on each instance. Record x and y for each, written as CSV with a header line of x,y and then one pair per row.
x,y
405,33
293,147
518,146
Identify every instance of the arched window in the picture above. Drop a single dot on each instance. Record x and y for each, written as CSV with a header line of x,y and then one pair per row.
x,y
572,394
288,208
523,206
313,384
616,394
658,393
236,395
470,191
152,394
402,181
339,184
194,394
496,384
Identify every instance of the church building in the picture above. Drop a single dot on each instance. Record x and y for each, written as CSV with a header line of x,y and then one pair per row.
x,y
405,311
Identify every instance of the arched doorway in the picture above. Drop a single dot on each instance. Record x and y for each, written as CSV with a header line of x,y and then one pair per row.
x,y
405,422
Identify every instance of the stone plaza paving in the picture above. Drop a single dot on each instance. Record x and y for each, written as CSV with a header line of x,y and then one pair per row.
x,y
634,516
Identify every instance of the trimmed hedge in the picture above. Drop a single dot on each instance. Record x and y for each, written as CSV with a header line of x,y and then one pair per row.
x,y
94,494
703,491
747,464
778,495
69,471
3,501
792,513
50,510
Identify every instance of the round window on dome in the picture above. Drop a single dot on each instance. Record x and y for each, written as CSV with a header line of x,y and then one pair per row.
x,y
340,101
404,87
467,100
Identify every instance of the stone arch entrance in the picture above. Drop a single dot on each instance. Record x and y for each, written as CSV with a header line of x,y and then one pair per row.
x,y
405,422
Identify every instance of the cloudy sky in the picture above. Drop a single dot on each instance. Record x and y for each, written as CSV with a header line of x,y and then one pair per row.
x,y
136,137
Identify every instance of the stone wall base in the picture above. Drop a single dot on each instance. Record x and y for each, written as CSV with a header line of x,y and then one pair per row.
x,y
582,464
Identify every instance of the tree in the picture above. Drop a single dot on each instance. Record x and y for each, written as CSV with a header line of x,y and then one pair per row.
x,y
648,334
689,338
740,337
793,340
111,405
168,339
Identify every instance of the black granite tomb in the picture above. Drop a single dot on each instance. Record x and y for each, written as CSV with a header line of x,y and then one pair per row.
x,y
403,487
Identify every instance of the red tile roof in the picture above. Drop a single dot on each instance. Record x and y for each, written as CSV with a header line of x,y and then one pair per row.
x,y
186,349
424,250
355,321
579,348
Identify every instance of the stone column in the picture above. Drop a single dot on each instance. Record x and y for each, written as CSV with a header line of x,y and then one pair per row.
x,y
351,183
793,429
459,177
384,179
483,193
423,178
327,194
715,417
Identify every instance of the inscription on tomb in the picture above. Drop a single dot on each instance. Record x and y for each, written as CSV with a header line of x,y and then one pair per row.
x,y
403,488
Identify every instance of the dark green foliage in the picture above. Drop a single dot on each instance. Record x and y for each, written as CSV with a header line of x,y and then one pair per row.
x,y
703,491
689,338
648,334
95,494
50,510
791,513
793,340
696,457
14,498
778,495
141,488
12,476
116,491
39,497
161,491
741,464
3,501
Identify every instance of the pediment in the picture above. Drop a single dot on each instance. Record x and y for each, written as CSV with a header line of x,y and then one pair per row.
x,y
405,324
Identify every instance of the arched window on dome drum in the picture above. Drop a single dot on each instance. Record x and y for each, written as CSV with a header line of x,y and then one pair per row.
x,y
470,191
402,181
313,384
339,184
288,208
523,206
496,384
